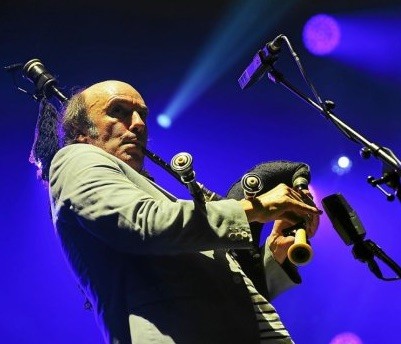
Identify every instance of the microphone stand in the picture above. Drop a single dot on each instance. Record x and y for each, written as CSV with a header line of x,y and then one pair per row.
x,y
363,250
392,165
366,250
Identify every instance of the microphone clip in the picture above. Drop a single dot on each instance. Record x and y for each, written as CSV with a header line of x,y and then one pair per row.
x,y
268,54
366,250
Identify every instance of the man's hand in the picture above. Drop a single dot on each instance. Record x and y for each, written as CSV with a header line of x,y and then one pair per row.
x,y
280,203
279,244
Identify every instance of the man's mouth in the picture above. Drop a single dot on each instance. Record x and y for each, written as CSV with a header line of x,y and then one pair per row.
x,y
135,142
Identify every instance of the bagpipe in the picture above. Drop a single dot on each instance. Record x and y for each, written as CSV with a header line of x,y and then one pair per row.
x,y
258,180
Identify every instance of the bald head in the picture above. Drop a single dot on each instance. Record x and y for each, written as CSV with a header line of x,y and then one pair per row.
x,y
106,89
115,115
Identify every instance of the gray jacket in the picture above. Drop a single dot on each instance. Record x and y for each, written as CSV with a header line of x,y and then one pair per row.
x,y
156,269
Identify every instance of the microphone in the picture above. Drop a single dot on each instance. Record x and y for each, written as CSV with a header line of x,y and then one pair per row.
x,y
344,219
261,63
349,227
45,83
300,252
181,163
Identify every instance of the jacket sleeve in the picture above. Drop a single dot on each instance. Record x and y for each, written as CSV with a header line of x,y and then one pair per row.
x,y
89,188
279,278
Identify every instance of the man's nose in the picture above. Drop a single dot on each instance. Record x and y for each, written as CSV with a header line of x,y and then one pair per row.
x,y
137,123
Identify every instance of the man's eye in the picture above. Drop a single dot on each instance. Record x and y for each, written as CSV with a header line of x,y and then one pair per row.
x,y
119,111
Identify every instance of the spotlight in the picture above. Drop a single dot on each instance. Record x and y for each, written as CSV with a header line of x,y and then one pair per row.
x,y
341,165
344,162
164,120
321,34
244,24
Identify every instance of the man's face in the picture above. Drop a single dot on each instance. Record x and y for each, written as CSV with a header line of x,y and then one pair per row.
x,y
119,114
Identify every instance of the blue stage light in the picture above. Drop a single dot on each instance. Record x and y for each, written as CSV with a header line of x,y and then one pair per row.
x,y
344,162
321,34
164,121
242,27
341,165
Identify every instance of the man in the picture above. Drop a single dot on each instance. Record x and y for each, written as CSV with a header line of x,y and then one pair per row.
x,y
157,269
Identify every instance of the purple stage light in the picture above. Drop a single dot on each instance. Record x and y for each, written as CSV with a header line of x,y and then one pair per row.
x,y
321,34
346,338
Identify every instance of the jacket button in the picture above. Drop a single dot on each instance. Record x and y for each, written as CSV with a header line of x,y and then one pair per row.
x,y
232,236
237,279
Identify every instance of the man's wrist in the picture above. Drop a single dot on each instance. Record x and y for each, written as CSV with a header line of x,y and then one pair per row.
x,y
252,208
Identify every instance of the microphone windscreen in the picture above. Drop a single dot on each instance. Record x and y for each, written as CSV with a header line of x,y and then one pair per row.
x,y
343,218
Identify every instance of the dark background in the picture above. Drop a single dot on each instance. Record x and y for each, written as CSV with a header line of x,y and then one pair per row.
x,y
154,45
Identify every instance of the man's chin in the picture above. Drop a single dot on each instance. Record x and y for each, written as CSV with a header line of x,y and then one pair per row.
x,y
135,161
